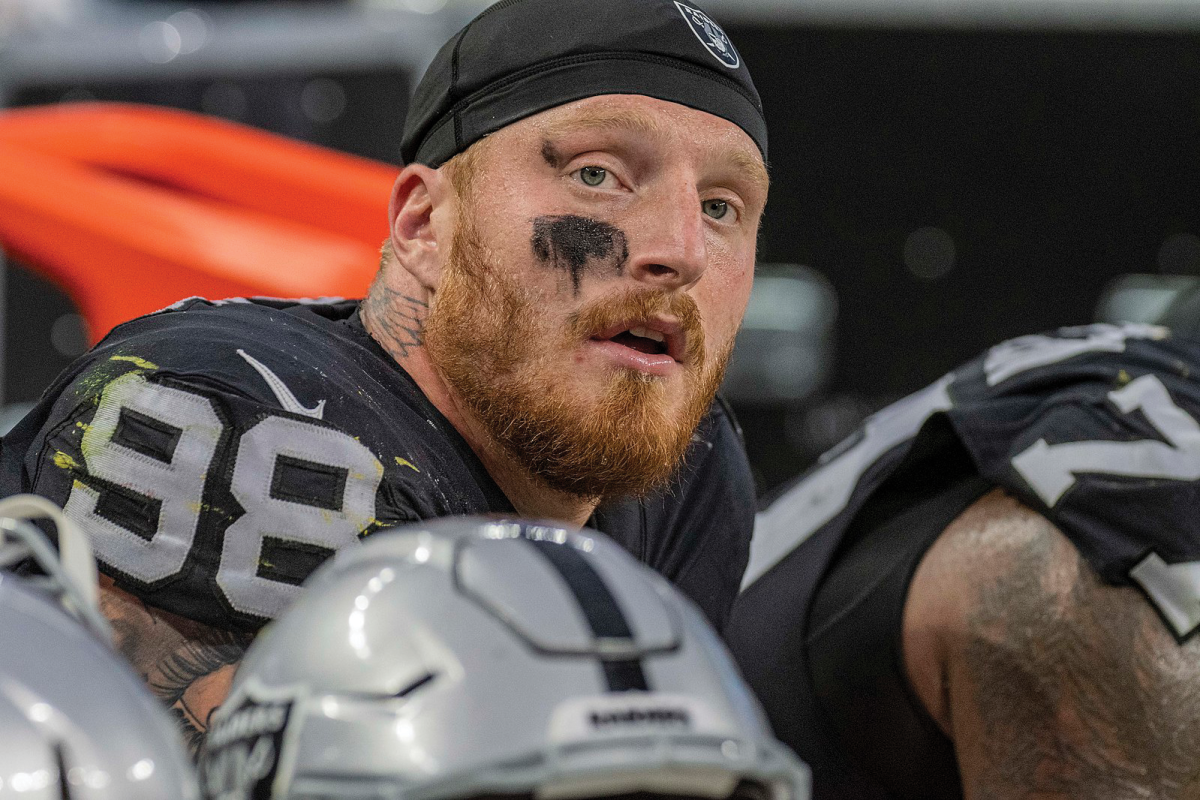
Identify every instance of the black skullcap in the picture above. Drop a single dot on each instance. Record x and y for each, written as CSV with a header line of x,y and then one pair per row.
x,y
519,57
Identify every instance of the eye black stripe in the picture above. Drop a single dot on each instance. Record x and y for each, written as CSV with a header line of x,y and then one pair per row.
x,y
600,609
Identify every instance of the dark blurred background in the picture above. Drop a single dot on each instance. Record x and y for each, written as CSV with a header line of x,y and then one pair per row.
x,y
945,175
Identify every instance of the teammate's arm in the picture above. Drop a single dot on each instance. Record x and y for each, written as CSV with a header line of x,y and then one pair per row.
x,y
1051,683
187,665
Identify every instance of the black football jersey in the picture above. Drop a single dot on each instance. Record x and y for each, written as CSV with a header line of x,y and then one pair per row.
x,y
1094,427
217,452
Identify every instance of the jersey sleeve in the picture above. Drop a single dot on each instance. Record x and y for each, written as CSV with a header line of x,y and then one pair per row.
x,y
696,531
1096,428
207,488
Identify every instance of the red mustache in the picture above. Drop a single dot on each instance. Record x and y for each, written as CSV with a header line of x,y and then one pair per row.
x,y
634,306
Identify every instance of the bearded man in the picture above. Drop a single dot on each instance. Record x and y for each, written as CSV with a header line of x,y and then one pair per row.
x,y
572,248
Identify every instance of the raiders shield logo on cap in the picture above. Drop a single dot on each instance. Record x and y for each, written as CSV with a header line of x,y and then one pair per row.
x,y
710,35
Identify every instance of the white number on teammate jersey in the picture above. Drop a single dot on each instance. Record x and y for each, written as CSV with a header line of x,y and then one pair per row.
x,y
157,443
1050,469
1174,589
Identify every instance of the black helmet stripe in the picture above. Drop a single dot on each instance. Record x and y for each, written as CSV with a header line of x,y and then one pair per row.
x,y
626,675
604,616
64,782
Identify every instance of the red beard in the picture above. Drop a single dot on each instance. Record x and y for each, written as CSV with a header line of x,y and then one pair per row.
x,y
484,338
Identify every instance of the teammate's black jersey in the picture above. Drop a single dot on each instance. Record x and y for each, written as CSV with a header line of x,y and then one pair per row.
x,y
1093,427
216,453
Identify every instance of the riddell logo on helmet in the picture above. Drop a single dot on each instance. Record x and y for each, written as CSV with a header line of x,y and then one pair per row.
x,y
710,35
641,716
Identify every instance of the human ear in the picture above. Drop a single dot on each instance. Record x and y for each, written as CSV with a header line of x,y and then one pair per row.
x,y
418,196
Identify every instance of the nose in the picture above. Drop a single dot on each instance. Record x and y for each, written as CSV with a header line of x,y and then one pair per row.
x,y
669,249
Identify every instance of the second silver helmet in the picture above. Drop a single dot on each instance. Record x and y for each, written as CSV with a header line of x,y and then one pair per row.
x,y
467,658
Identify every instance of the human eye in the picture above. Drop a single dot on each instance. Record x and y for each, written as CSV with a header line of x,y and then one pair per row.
x,y
717,208
592,175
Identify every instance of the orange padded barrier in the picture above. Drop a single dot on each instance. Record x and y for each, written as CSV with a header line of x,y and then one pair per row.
x,y
129,209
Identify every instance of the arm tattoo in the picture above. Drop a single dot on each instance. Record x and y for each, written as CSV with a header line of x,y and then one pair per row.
x,y
1076,688
186,678
395,319
186,665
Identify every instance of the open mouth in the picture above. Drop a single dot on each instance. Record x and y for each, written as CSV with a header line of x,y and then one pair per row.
x,y
661,338
643,340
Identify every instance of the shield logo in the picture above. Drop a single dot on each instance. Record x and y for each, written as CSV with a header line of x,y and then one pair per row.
x,y
710,35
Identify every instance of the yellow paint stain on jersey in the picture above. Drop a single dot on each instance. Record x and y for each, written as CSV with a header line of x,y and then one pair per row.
x,y
94,439
1123,378
101,429
136,361
83,426
92,384
262,562
64,461
405,463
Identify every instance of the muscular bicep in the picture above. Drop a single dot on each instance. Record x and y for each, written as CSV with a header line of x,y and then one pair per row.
x,y
187,665
1051,683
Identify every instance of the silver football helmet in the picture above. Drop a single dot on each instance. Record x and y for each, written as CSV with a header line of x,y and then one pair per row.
x,y
76,723
471,658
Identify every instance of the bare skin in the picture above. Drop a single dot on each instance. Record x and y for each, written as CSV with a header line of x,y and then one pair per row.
x,y
1051,684
187,665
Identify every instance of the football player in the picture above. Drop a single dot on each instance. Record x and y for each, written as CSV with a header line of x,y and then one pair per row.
x,y
63,690
472,659
992,589
571,251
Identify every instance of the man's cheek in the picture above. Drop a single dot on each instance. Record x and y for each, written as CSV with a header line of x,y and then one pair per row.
x,y
577,246
721,310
